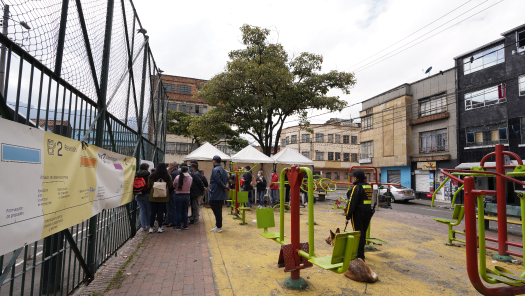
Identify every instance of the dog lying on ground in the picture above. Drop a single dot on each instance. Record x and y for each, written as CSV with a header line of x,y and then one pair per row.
x,y
358,270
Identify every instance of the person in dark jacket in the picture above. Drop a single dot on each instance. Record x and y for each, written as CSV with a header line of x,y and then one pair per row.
x,y
143,198
158,204
247,179
171,209
359,209
206,185
218,191
261,188
196,192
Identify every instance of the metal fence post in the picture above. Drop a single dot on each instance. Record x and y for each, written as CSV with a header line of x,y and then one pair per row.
x,y
99,133
141,104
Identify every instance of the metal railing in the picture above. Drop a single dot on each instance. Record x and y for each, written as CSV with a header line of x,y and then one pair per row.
x,y
99,84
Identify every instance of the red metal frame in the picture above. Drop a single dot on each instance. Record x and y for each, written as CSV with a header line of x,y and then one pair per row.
x,y
371,183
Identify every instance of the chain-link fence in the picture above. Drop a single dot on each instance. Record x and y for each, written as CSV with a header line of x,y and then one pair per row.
x,y
84,70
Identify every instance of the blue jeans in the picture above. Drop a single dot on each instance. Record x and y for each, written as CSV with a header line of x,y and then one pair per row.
x,y
145,209
261,197
273,193
172,209
182,202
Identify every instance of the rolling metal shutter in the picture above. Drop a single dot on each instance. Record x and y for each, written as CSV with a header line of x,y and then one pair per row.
x,y
393,176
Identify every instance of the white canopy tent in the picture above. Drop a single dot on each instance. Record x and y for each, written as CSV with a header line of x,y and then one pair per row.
x,y
290,156
251,155
204,155
206,152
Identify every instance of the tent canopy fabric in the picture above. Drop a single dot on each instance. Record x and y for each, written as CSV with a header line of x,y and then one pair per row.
x,y
206,152
290,156
251,155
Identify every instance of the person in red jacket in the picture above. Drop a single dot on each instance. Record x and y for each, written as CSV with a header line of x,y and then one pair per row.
x,y
274,187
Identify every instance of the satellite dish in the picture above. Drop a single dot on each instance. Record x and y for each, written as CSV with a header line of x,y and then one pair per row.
x,y
428,70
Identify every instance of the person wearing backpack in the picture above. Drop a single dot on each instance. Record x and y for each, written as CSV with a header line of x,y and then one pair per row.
x,y
140,189
196,192
182,184
160,183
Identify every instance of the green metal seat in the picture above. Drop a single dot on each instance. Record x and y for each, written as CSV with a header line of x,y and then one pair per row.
x,y
344,251
459,212
242,197
266,219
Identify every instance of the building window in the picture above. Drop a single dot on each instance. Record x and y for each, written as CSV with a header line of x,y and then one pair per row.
x,y
170,87
283,142
433,105
346,139
184,89
354,139
485,59
306,138
487,135
319,155
287,140
294,139
366,123
182,148
319,137
306,154
433,141
329,175
336,175
367,149
345,176
330,156
521,81
330,138
184,108
199,109
485,97
170,147
337,156
172,106
520,41
338,139
354,157
346,156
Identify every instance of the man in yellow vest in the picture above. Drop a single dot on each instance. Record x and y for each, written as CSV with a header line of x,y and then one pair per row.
x,y
359,209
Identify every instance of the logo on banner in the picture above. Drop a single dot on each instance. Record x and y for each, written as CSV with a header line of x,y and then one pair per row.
x,y
51,145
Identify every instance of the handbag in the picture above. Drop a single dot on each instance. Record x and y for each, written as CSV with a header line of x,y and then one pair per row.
x,y
159,188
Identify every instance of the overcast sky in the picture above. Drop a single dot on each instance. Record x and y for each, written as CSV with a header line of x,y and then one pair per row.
x,y
193,38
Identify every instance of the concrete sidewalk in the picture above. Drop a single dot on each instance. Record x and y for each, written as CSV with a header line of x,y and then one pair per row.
x,y
168,263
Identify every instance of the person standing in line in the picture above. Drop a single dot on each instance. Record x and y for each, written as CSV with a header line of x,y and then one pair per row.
x,y
173,168
274,187
196,192
158,204
261,188
182,184
206,185
143,198
247,179
218,191
359,209
231,185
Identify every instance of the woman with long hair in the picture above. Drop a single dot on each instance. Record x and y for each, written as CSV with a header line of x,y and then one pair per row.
x,y
158,204
182,184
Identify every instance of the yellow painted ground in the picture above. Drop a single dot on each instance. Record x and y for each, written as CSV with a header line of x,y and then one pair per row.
x,y
414,262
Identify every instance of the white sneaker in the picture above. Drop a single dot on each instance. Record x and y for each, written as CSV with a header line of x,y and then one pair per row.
x,y
151,230
161,230
216,230
259,207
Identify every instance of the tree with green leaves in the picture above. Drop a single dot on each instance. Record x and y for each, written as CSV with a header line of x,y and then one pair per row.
x,y
262,87
201,129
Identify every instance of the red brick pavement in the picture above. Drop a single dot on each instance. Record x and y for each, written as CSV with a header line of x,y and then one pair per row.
x,y
169,263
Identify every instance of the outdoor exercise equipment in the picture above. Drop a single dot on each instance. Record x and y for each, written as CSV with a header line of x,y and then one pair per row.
x,y
473,196
295,255
237,197
459,212
266,219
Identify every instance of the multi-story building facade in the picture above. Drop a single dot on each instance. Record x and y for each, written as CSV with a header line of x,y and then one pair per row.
x,y
386,133
409,132
180,91
333,146
491,100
